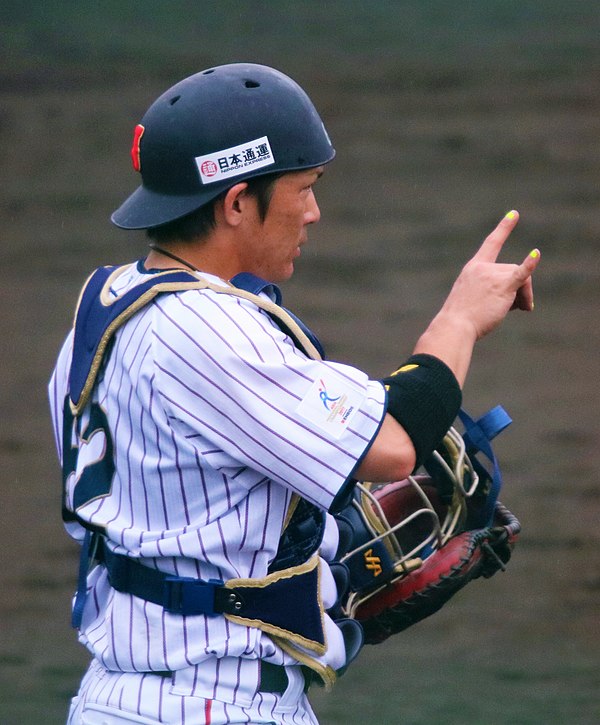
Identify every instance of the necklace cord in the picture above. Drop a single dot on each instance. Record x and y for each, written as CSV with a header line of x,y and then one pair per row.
x,y
166,253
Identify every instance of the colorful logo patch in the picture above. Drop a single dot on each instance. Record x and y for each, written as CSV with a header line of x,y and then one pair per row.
x,y
234,161
327,400
331,403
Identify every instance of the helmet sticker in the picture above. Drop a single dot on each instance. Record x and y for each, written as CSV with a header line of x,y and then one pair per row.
x,y
234,161
135,148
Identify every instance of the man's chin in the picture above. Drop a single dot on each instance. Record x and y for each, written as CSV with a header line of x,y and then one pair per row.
x,y
283,275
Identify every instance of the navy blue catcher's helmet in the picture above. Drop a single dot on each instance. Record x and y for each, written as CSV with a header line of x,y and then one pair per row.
x,y
214,129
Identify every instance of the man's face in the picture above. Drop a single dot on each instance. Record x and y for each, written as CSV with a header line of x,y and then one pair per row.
x,y
272,245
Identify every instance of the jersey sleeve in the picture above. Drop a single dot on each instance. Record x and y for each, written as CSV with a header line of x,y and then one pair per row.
x,y
58,388
240,391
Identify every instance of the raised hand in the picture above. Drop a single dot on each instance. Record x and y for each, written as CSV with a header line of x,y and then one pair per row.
x,y
486,289
483,294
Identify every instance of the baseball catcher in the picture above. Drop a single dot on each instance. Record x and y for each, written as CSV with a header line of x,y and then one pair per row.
x,y
216,465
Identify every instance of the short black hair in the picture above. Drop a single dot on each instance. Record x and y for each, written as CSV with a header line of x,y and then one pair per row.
x,y
200,222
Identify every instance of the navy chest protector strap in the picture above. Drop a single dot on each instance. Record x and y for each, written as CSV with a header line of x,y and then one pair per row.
x,y
98,316
270,603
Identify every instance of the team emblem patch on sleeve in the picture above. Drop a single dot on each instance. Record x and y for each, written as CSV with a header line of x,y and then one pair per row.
x,y
331,403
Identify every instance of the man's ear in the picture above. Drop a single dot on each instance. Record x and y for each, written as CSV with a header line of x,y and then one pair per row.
x,y
233,205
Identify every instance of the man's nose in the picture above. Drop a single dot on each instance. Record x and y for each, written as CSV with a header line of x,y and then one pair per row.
x,y
312,213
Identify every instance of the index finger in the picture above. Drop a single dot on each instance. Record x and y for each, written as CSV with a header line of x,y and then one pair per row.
x,y
493,243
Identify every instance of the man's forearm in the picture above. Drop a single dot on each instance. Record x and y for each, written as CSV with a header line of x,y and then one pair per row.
x,y
452,341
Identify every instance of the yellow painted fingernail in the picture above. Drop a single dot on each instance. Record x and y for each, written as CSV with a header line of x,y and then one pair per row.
x,y
534,254
511,215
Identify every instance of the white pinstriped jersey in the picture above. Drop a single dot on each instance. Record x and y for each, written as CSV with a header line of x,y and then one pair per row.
x,y
214,418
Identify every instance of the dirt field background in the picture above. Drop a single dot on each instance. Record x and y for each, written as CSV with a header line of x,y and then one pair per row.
x,y
444,116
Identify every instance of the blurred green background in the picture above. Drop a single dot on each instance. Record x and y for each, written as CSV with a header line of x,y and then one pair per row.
x,y
444,115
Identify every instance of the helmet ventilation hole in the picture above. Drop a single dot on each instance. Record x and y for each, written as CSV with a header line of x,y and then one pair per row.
x,y
174,100
251,84
206,72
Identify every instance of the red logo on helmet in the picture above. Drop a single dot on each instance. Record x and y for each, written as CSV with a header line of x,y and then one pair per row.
x,y
208,168
135,148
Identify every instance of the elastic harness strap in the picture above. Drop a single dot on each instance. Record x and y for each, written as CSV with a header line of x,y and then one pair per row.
x,y
478,434
178,595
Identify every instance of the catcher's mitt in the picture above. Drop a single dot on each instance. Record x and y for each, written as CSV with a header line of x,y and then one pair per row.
x,y
411,545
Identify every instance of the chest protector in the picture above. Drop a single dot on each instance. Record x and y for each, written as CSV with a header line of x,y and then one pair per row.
x,y
286,603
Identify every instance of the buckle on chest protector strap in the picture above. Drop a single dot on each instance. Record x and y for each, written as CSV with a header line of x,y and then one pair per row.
x,y
285,603
195,596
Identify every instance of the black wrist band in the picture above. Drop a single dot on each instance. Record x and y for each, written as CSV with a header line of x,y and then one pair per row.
x,y
424,397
